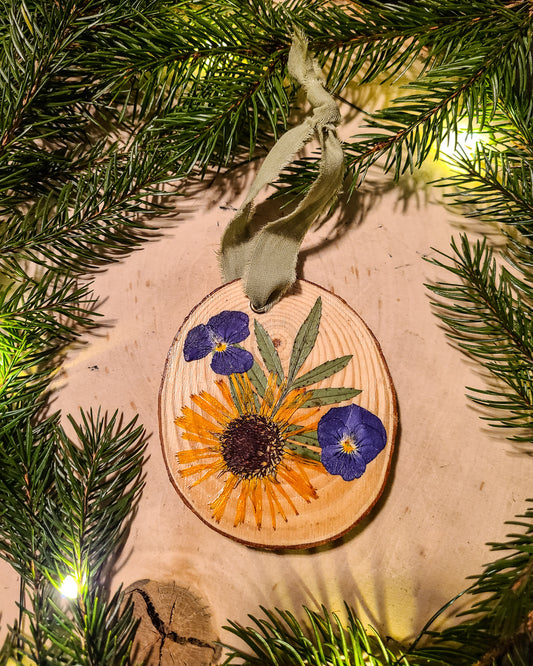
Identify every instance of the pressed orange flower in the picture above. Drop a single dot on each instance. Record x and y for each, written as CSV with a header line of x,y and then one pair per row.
x,y
245,440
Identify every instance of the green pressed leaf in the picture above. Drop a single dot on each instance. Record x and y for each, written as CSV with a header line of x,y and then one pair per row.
x,y
322,371
305,340
303,451
308,438
268,351
257,402
235,396
330,396
258,378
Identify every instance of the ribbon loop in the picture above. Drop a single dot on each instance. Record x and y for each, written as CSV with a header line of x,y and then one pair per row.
x,y
266,260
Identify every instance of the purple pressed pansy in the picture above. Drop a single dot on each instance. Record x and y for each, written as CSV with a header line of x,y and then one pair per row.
x,y
219,337
350,438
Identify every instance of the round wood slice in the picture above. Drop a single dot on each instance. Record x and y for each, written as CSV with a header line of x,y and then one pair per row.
x,y
340,504
175,625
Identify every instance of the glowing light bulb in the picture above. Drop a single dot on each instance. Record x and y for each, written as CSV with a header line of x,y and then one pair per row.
x,y
464,141
69,587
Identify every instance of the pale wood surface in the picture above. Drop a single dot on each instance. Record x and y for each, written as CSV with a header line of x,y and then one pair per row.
x,y
453,481
340,504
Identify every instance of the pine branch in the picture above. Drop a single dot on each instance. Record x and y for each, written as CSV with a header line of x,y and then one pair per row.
x,y
476,59
494,184
415,125
26,487
74,206
230,57
26,482
498,627
101,632
98,482
51,66
37,321
487,318
65,509
60,203
90,220
323,639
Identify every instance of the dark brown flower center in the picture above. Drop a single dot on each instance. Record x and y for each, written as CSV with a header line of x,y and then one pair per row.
x,y
252,446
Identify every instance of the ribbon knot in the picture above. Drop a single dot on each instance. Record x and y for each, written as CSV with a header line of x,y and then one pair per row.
x,y
266,259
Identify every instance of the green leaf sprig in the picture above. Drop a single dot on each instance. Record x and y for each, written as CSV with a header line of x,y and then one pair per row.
x,y
304,342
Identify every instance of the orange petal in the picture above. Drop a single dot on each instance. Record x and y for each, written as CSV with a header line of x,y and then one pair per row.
x,y
291,404
298,483
274,502
304,415
216,467
218,505
240,513
257,501
202,439
281,490
191,421
226,393
195,469
193,455
243,393
271,395
212,406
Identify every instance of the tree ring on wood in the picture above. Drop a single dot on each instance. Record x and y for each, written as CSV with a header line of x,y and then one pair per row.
x,y
175,625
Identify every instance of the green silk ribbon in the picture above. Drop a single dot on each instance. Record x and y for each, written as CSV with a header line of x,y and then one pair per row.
x,y
266,259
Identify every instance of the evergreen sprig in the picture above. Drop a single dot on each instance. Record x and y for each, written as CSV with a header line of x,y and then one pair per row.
x,y
495,630
90,220
37,320
73,177
471,60
324,638
469,69
497,627
65,508
494,184
222,68
491,318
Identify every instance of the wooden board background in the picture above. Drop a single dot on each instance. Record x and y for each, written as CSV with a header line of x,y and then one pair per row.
x,y
453,481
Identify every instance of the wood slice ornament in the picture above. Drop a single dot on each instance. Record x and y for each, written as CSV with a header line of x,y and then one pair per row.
x,y
277,429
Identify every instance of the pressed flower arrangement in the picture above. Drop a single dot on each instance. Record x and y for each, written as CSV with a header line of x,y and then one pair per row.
x,y
248,445
270,434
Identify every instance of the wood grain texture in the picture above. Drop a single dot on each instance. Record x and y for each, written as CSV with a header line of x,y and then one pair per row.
x,y
340,504
175,625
